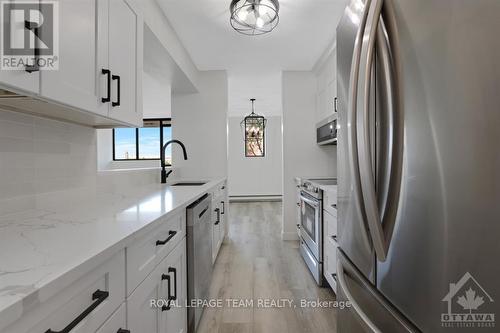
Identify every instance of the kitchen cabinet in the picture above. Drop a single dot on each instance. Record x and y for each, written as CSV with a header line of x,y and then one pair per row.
x,y
87,303
219,218
99,79
19,79
330,239
125,62
75,82
297,205
326,90
166,283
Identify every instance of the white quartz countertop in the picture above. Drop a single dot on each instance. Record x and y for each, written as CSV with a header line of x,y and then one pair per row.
x,y
44,250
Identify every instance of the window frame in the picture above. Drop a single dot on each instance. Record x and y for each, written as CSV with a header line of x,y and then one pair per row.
x,y
164,122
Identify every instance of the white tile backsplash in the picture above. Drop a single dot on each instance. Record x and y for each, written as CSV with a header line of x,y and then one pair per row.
x,y
40,157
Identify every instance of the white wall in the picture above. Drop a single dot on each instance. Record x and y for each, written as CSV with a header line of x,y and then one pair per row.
x,y
200,122
301,155
255,176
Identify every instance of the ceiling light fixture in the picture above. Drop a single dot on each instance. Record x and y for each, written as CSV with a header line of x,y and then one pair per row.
x,y
254,17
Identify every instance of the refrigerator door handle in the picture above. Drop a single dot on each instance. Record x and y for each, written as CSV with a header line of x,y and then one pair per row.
x,y
380,229
365,320
351,116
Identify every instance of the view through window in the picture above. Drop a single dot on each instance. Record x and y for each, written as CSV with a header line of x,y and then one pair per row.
x,y
143,143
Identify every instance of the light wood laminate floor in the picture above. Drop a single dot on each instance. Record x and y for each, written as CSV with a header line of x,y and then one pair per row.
x,y
254,263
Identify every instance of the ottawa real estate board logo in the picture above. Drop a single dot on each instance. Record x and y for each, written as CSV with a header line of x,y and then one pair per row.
x,y
30,35
468,304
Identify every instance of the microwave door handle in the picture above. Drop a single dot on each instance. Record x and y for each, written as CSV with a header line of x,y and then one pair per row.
x,y
352,145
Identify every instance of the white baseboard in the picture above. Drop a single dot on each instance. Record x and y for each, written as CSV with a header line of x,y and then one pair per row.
x,y
289,236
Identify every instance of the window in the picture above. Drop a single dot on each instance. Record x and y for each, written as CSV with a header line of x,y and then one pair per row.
x,y
254,136
132,144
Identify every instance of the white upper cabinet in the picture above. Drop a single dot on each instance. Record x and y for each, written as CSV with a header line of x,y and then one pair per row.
x,y
19,79
99,77
125,61
326,87
75,83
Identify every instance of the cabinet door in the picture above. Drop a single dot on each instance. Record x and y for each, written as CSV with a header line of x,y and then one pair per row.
x,y
76,82
19,79
215,229
141,316
175,266
125,58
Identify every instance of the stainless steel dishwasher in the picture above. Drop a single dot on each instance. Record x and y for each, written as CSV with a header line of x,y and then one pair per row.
x,y
199,256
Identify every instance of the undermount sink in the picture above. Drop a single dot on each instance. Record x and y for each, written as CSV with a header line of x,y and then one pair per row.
x,y
189,184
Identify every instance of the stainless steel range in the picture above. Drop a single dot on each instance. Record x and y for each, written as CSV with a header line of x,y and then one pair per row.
x,y
311,225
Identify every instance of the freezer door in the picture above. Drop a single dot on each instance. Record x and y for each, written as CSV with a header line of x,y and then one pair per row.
x,y
369,312
442,268
352,230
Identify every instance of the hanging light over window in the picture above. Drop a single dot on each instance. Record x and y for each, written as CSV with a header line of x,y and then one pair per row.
x,y
254,126
254,17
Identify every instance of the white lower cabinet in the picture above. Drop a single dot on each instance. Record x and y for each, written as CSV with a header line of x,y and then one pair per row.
x,y
219,218
81,307
117,323
158,304
330,247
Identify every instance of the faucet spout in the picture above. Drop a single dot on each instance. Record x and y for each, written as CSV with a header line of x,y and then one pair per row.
x,y
164,174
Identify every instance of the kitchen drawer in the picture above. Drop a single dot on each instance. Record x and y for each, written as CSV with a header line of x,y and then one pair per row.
x,y
330,263
147,251
329,225
117,323
330,201
100,293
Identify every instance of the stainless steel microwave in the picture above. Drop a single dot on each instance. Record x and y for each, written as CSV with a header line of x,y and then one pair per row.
x,y
326,131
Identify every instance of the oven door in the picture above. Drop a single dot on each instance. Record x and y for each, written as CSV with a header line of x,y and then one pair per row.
x,y
310,224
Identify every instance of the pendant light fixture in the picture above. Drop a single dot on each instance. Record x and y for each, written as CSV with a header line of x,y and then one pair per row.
x,y
254,126
254,17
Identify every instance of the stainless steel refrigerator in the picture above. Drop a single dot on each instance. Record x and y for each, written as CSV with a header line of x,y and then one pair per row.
x,y
419,165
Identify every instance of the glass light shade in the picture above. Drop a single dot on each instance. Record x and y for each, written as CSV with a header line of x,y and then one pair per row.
x,y
254,17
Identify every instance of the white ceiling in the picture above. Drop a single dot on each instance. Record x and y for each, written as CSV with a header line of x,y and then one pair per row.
x,y
305,30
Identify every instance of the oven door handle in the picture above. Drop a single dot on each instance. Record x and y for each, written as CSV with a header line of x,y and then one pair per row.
x,y
312,202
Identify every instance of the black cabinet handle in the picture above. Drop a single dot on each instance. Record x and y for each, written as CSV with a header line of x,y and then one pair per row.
x,y
98,296
334,238
174,270
171,234
334,206
33,26
223,187
334,276
107,72
121,330
117,77
218,216
169,292
223,207
335,104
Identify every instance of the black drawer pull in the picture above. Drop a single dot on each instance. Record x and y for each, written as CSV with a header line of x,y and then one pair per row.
x,y
171,235
107,72
223,207
98,296
202,212
118,89
173,270
163,278
334,206
334,238
334,276
121,330
217,210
